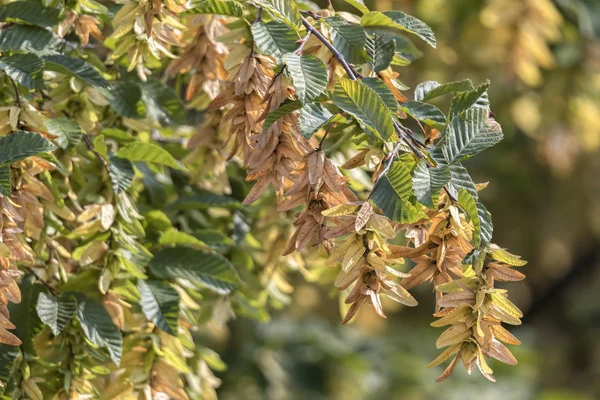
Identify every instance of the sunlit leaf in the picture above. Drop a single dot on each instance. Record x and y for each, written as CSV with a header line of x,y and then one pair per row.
x,y
98,326
160,304
274,38
428,182
397,20
309,75
365,105
76,67
219,7
29,11
22,144
56,312
199,267
150,153
25,69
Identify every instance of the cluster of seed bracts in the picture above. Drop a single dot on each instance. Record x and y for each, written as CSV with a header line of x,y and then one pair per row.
x,y
21,218
366,260
204,58
280,156
475,310
145,30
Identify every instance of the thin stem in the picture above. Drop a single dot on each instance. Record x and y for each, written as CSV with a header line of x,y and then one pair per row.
x,y
421,126
90,146
454,199
336,53
259,14
390,157
311,14
303,43
409,142
412,137
17,96
50,288
324,136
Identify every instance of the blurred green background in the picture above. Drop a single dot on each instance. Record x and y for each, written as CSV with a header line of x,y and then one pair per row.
x,y
543,60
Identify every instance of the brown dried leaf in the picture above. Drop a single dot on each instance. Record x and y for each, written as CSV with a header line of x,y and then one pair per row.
x,y
362,218
457,299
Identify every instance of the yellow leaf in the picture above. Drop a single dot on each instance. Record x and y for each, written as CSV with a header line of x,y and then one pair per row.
x,y
504,256
455,315
453,335
446,354
340,210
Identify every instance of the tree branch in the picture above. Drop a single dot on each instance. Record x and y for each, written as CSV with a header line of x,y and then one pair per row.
x,y
50,288
336,53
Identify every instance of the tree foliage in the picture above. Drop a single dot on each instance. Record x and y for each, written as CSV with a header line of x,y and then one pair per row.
x,y
136,169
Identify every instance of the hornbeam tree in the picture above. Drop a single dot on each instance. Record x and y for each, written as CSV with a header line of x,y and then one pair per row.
x,y
166,165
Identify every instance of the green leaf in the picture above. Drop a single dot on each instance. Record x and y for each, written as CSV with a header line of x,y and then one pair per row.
x,y
24,315
150,153
285,10
160,304
400,179
479,216
274,38
121,173
469,205
487,228
56,312
155,189
462,101
384,92
31,12
469,134
98,327
313,117
126,100
364,104
428,182
173,237
30,39
67,130
359,5
218,7
309,75
349,39
162,102
393,207
380,51
287,107
25,69
22,144
5,180
394,193
431,89
397,20
75,67
200,267
426,113
460,179
8,356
